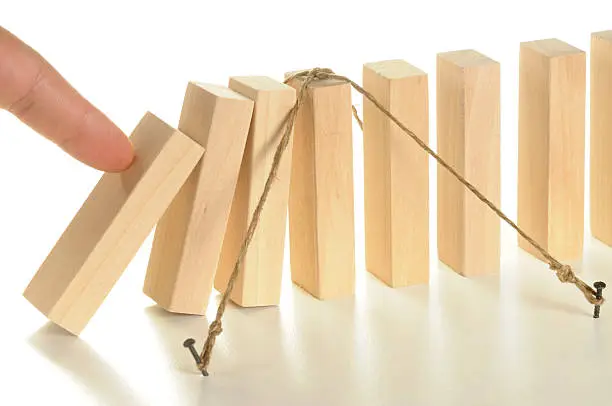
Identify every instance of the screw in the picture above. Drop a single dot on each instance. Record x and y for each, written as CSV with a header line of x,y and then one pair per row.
x,y
600,287
189,343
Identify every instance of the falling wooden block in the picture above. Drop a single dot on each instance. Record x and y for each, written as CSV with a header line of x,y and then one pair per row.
x,y
321,212
396,172
601,136
111,225
468,93
188,238
259,281
551,147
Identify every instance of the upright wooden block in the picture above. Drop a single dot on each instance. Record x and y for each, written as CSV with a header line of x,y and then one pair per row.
x,y
111,225
468,93
601,136
321,210
551,147
188,238
396,172
259,282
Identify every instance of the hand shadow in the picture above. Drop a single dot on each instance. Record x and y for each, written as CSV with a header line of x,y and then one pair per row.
x,y
83,365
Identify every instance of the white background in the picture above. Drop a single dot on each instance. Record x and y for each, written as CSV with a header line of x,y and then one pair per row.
x,y
520,338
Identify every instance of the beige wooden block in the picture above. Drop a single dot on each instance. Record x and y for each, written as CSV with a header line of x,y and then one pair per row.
x,y
321,211
111,225
189,236
396,172
601,136
468,103
259,281
551,147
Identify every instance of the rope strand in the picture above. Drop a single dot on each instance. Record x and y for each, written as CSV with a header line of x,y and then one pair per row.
x,y
564,272
216,327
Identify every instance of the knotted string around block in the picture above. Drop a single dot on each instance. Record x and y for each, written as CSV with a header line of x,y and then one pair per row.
x,y
564,272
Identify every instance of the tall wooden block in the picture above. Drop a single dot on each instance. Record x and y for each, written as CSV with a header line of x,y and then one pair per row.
x,y
468,99
189,237
396,172
551,147
601,136
321,211
111,225
259,282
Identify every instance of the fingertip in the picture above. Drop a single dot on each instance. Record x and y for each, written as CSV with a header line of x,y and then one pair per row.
x,y
101,144
121,152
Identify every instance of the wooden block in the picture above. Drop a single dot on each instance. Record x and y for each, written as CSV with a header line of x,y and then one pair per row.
x,y
551,147
468,99
396,172
259,282
601,136
111,225
189,237
321,211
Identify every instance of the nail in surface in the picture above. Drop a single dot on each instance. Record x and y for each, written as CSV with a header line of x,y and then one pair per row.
x,y
599,286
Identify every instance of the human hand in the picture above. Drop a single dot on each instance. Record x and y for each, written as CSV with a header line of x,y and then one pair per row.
x,y
40,97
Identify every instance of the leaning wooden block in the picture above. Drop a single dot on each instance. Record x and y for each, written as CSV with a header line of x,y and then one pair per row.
x,y
601,136
259,281
551,147
111,225
468,139
396,172
321,212
188,239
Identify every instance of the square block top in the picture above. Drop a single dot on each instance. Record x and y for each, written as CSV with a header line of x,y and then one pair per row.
x,y
394,69
551,47
466,58
259,83
607,35
220,91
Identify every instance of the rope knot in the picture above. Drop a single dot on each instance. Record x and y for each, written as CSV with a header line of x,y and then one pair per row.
x,y
312,74
564,273
320,73
215,328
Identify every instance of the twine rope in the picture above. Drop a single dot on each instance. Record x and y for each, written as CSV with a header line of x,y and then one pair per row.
x,y
564,272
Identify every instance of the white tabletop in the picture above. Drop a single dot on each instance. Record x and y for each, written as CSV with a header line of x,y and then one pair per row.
x,y
519,338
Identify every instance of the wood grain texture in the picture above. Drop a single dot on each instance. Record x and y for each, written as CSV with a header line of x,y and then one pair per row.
x,y
551,147
396,172
259,282
601,136
189,236
468,103
321,210
111,225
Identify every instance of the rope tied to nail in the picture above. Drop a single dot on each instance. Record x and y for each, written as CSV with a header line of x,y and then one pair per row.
x,y
564,273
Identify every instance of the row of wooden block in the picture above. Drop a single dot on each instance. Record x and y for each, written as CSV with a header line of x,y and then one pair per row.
x,y
201,183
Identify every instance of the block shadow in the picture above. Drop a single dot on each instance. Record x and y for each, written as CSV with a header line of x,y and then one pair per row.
x,y
83,364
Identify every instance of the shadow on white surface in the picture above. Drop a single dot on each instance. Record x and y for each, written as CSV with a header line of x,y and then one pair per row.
x,y
172,330
538,300
83,365
243,355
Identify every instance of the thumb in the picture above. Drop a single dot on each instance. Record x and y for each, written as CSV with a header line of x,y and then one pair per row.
x,y
40,97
